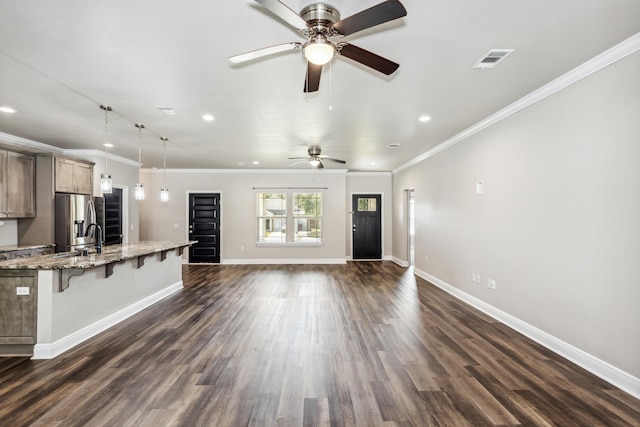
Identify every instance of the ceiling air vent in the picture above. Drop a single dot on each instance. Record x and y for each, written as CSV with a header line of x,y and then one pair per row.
x,y
492,58
394,145
169,111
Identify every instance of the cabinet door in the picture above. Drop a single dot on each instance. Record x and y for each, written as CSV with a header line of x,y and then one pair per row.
x,y
83,178
64,175
21,169
3,183
18,312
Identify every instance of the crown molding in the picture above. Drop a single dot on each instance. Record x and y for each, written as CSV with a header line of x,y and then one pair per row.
x,y
24,144
387,173
99,153
249,171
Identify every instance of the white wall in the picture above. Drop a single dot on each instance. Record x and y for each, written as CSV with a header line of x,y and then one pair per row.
x,y
8,232
558,225
168,221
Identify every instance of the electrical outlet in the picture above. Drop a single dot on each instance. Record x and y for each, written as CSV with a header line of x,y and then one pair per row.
x,y
491,284
22,290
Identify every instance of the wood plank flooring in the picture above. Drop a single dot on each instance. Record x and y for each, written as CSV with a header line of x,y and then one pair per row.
x,y
366,344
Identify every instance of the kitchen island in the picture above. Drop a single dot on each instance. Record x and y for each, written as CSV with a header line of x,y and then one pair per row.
x,y
51,303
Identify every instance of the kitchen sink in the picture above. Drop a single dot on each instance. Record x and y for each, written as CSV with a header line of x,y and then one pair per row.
x,y
66,255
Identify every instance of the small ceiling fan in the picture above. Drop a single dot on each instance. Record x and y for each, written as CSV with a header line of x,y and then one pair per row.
x,y
320,23
315,158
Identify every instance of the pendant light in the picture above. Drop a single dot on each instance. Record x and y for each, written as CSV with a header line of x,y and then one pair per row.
x,y
105,178
139,192
164,191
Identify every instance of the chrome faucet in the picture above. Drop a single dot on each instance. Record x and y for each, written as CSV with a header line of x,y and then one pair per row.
x,y
98,236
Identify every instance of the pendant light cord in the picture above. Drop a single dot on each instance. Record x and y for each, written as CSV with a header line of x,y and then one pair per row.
x,y
140,126
164,160
106,109
330,85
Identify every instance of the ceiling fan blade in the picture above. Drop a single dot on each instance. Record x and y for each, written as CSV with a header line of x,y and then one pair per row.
x,y
334,160
369,59
283,12
255,54
297,158
376,15
299,161
312,79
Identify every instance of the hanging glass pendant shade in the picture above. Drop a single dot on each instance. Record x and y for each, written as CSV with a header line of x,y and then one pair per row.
x,y
106,183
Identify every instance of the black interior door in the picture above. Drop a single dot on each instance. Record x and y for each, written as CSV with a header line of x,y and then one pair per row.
x,y
204,226
367,226
113,217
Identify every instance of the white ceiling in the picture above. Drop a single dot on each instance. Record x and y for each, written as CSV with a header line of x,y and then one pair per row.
x,y
60,59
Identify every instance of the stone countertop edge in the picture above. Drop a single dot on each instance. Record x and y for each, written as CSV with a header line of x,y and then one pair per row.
x,y
110,254
13,248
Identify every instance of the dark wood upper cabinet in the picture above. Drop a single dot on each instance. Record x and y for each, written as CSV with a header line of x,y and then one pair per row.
x,y
73,176
17,185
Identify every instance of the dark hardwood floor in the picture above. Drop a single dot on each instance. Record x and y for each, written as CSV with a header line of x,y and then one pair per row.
x,y
366,344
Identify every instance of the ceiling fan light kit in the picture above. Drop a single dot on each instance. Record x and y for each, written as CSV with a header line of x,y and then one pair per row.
x,y
319,50
319,23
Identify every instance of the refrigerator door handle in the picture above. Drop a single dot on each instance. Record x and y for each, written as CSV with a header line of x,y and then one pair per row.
x,y
91,215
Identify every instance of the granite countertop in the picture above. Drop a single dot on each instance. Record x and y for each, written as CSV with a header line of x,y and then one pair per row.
x,y
12,248
110,254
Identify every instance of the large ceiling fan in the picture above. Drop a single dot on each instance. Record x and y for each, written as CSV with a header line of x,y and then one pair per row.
x,y
315,158
320,23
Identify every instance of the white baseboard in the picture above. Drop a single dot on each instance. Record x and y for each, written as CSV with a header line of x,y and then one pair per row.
x,y
400,262
49,351
613,375
284,261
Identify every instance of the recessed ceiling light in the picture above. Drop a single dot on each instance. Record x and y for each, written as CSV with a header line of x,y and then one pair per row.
x,y
424,119
8,110
108,145
255,162
208,117
394,145
372,163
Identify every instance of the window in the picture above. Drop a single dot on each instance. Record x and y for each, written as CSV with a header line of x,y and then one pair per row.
x,y
272,217
289,218
367,205
307,217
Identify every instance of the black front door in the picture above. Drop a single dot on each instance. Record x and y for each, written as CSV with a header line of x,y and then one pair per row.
x,y
204,226
367,226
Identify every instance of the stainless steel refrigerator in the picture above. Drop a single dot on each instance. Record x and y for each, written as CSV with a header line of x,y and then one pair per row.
x,y
74,213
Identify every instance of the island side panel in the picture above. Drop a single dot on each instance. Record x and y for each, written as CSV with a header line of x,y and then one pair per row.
x,y
93,302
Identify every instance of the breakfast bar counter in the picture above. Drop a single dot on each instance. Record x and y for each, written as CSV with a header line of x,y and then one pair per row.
x,y
53,302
